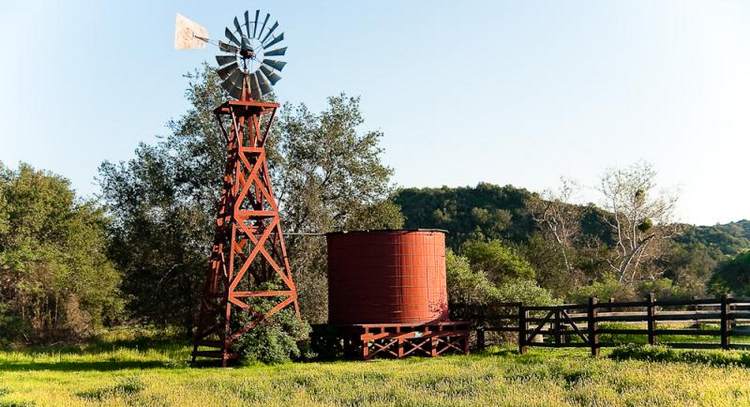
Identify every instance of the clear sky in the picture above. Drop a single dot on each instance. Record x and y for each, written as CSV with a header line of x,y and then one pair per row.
x,y
508,92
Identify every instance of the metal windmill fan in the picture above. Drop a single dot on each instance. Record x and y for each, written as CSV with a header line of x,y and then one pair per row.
x,y
245,54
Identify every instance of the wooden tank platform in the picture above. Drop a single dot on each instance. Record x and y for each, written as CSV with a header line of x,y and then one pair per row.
x,y
367,341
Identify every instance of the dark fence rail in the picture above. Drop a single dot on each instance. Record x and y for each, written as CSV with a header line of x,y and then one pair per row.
x,y
585,325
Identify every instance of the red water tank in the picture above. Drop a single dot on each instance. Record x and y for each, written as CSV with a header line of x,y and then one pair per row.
x,y
388,276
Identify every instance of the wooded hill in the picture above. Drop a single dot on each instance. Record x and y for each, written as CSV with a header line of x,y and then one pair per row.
x,y
502,212
686,266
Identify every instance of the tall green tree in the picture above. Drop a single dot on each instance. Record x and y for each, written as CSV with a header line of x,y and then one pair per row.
x,y
326,172
733,276
55,279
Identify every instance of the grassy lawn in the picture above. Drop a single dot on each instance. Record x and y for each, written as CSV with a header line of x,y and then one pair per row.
x,y
153,372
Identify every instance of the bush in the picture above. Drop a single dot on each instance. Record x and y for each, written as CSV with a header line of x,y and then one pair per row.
x,y
471,293
467,287
663,289
498,262
281,338
526,291
608,287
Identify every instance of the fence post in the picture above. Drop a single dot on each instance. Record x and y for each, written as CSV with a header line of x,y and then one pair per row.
x,y
592,326
724,321
480,338
696,324
650,312
522,314
557,328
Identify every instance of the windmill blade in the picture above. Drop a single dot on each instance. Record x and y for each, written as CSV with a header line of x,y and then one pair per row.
x,y
228,47
265,87
225,59
245,43
277,65
274,41
280,51
260,33
233,84
254,87
237,26
270,74
231,36
228,83
238,78
273,27
255,23
227,70
247,23
235,92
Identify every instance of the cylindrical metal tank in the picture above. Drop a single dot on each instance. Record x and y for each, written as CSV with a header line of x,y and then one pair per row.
x,y
388,277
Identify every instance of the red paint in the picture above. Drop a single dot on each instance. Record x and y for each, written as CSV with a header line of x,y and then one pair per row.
x,y
387,277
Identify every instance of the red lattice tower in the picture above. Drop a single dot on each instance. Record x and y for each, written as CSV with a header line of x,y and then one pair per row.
x,y
248,250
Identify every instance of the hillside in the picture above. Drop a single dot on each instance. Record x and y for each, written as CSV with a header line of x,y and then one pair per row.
x,y
502,212
729,238
684,268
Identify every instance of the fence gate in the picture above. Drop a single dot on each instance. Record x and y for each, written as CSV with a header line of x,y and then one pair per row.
x,y
559,323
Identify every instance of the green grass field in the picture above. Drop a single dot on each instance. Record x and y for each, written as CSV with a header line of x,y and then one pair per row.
x,y
152,371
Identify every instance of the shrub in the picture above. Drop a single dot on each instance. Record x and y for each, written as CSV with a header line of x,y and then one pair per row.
x,y
280,338
500,263
608,287
472,294
526,291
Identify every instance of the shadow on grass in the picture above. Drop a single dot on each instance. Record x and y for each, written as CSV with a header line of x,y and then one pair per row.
x,y
101,346
71,366
665,354
101,354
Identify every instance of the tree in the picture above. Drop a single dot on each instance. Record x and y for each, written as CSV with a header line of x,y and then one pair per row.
x,y
330,177
551,273
483,212
498,262
55,279
733,276
467,288
559,218
326,173
641,218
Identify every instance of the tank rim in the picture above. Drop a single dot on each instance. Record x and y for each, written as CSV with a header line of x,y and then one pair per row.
x,y
344,232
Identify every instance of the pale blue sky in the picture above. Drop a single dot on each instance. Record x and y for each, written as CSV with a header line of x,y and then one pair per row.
x,y
506,92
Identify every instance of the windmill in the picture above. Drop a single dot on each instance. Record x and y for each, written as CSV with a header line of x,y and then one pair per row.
x,y
248,258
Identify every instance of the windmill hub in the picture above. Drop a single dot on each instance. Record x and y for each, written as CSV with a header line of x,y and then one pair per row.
x,y
247,53
253,40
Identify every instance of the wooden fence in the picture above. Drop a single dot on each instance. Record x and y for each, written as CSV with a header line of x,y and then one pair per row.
x,y
585,325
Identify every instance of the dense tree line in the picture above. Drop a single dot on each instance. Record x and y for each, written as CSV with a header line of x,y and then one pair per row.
x,y
56,281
